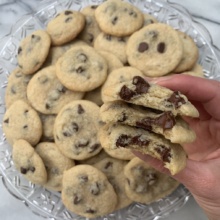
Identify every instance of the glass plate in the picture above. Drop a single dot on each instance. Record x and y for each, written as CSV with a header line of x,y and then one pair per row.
x,y
46,203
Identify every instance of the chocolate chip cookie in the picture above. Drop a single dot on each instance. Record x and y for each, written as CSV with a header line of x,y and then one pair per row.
x,y
140,92
172,128
17,87
113,17
75,130
118,76
65,26
112,44
114,136
155,49
87,192
114,170
81,69
145,184
55,163
34,48
21,121
28,162
46,94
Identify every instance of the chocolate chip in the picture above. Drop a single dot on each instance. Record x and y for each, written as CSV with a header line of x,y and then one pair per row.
x,y
47,106
164,153
35,38
108,164
83,179
32,169
143,46
68,12
153,34
82,57
94,6
61,89
161,47
142,85
80,109
114,20
133,14
6,121
108,37
123,118
70,129
166,120
95,189
25,126
91,211
20,66
90,37
126,93
43,79
145,123
82,143
126,140
19,50
13,89
68,19
176,99
76,200
94,147
23,170
80,69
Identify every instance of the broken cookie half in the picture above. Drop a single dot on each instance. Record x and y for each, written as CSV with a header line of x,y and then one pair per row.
x,y
140,92
114,136
172,128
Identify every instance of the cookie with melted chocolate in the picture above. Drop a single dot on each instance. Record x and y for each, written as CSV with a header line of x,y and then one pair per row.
x,y
114,136
164,123
140,92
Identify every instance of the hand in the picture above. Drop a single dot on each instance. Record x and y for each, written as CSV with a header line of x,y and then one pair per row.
x,y
202,172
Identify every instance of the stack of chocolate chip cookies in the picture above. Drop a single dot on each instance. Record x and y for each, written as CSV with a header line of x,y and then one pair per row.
x,y
83,104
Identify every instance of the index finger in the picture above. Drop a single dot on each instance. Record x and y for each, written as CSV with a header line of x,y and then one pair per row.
x,y
205,91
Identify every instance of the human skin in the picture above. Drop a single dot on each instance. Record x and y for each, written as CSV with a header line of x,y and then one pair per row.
x,y
202,172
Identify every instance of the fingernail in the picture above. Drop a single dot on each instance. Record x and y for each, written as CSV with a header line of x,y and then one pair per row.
x,y
159,79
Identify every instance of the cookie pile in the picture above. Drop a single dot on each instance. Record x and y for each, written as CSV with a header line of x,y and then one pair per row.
x,y
63,140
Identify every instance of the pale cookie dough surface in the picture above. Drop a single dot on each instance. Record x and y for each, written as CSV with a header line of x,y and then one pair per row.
x,y
149,19
28,162
17,87
145,184
87,192
174,129
55,163
95,159
21,121
154,52
120,153
34,48
112,44
65,26
140,92
46,94
75,130
114,136
114,170
91,29
81,69
190,53
118,76
47,126
113,17
113,63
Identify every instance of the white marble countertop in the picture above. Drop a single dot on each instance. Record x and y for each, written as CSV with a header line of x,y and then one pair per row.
x,y
206,12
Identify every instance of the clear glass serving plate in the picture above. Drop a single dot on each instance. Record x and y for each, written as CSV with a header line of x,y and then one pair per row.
x,y
46,203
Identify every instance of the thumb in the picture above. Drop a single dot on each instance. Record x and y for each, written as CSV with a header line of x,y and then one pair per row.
x,y
196,176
